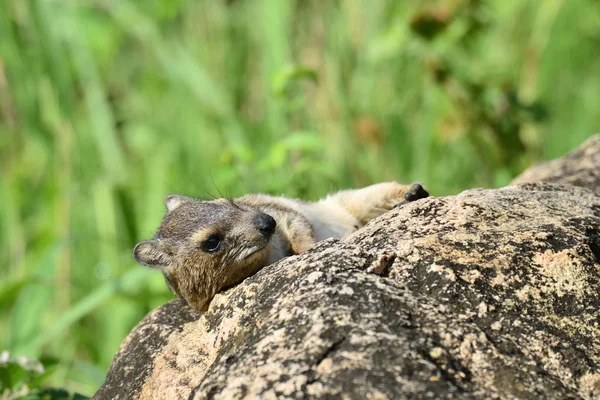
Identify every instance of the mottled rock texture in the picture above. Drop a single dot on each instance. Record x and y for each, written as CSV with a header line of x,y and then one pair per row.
x,y
579,168
488,294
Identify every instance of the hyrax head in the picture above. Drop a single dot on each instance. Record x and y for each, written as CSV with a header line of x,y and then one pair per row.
x,y
203,247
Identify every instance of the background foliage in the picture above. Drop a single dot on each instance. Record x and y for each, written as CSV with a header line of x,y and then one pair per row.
x,y
106,106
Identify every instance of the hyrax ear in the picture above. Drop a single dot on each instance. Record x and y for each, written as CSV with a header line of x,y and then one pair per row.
x,y
151,254
173,201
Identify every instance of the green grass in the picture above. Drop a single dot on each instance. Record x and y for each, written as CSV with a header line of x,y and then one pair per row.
x,y
106,106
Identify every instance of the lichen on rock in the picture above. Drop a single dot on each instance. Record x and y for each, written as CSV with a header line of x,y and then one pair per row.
x,y
487,294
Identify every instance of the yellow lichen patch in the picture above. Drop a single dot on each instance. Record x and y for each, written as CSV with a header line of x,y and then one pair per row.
x,y
440,268
314,276
574,325
436,352
528,291
289,315
565,270
589,385
496,325
166,373
482,309
291,386
325,367
494,258
499,279
405,247
271,340
471,276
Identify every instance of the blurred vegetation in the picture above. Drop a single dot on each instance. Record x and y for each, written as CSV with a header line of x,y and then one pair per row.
x,y
106,106
22,378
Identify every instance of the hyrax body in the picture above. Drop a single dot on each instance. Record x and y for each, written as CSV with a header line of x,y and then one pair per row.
x,y
203,247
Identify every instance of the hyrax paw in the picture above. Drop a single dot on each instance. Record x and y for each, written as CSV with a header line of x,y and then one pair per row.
x,y
415,192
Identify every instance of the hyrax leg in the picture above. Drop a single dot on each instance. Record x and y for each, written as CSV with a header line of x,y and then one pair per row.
x,y
299,233
372,201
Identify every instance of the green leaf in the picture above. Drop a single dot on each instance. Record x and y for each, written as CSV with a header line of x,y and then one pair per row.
x,y
10,289
283,79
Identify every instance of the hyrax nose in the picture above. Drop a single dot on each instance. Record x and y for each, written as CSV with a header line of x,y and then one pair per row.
x,y
265,223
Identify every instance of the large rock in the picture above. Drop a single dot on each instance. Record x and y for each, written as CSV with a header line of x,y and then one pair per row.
x,y
488,294
580,168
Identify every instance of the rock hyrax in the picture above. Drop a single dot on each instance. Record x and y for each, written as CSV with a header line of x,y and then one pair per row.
x,y
203,247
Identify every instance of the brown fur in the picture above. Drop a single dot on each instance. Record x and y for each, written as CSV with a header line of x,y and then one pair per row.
x,y
196,274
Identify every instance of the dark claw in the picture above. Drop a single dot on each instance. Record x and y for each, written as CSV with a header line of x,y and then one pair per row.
x,y
416,192
401,204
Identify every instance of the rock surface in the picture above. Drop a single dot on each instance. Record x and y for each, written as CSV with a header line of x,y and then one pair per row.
x,y
487,294
580,168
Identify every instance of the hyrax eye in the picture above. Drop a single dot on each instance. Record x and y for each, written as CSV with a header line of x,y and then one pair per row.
x,y
211,244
